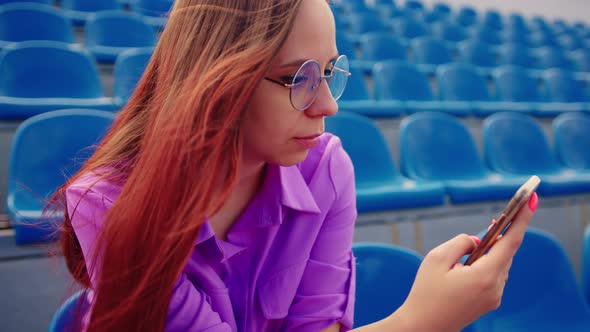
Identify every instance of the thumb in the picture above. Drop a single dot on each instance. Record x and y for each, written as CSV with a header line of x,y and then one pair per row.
x,y
448,253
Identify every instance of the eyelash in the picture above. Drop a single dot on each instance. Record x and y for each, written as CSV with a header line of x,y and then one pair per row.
x,y
289,78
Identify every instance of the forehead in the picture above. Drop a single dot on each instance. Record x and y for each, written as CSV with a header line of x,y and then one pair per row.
x,y
313,35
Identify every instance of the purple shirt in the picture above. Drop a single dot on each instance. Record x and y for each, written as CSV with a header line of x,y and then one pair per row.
x,y
287,263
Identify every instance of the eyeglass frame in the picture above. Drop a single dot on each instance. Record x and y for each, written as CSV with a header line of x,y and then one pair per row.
x,y
322,77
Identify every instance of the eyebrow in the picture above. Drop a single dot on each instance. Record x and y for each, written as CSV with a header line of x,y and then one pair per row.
x,y
299,62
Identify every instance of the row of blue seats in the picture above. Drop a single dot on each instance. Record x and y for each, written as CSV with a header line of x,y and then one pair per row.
x,y
106,35
377,46
79,11
66,76
542,293
466,17
403,88
439,158
356,24
541,274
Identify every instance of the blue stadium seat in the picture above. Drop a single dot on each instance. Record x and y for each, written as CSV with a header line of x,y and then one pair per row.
x,y
449,32
345,46
515,35
517,89
409,28
564,93
541,293
493,19
70,313
571,42
515,144
543,39
33,21
414,5
377,265
572,139
108,33
47,2
65,77
46,150
129,68
488,35
516,54
378,46
401,82
379,187
364,23
156,11
581,59
478,54
586,265
429,52
553,57
467,16
461,87
356,98
438,147
80,10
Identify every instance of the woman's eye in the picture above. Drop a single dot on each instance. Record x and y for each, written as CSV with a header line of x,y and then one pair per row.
x,y
287,79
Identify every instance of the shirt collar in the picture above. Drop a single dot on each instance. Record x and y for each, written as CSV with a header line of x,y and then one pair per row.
x,y
222,250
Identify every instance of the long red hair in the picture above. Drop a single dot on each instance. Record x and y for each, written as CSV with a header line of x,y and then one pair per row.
x,y
175,147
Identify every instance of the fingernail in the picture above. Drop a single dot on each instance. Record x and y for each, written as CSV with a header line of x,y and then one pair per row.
x,y
493,221
533,201
476,239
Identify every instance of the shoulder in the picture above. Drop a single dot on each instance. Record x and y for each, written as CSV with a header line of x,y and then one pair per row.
x,y
91,192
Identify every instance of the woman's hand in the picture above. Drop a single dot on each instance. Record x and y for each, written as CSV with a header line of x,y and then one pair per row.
x,y
447,296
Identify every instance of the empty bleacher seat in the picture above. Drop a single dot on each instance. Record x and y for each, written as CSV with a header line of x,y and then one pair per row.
x,y
377,265
429,52
517,89
479,54
516,144
46,150
379,187
80,10
462,88
438,147
129,68
516,54
402,82
449,32
487,35
33,21
363,23
47,2
553,57
565,93
378,46
409,28
581,59
108,33
64,76
572,139
156,11
467,16
541,292
70,313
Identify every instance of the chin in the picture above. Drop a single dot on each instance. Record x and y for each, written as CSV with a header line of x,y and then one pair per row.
x,y
291,159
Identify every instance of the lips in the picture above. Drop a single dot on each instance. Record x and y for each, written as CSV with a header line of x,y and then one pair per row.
x,y
309,137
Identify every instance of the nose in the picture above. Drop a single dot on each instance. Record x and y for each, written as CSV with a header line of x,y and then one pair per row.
x,y
324,104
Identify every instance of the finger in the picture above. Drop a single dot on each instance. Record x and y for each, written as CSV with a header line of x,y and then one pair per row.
x,y
508,244
447,254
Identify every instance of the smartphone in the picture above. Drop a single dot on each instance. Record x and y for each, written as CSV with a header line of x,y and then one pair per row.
x,y
505,219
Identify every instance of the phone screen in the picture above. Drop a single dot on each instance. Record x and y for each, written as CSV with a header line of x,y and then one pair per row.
x,y
505,219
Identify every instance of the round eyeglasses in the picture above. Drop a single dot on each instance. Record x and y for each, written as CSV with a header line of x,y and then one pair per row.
x,y
308,78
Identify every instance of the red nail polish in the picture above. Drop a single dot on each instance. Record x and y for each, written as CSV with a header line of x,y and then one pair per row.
x,y
533,202
476,239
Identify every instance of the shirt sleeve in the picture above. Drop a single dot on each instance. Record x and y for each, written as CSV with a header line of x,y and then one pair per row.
x,y
326,293
190,308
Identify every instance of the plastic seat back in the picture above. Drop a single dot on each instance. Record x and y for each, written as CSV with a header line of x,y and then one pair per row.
x,y
572,139
366,146
437,146
384,277
119,29
400,80
129,68
460,81
45,69
29,21
516,144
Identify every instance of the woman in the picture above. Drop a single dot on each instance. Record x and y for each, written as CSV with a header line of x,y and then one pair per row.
x,y
217,203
